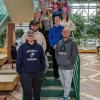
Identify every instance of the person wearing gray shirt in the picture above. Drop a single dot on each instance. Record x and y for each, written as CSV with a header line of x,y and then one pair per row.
x,y
66,53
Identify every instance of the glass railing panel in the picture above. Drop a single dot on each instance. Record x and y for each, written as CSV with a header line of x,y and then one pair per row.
x,y
3,12
86,44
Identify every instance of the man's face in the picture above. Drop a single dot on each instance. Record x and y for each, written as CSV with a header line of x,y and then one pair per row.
x,y
35,27
57,20
30,38
66,33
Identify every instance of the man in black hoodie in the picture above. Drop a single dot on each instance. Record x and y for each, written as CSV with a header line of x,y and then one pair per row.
x,y
30,66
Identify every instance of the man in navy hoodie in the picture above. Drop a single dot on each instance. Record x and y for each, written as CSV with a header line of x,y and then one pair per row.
x,y
30,67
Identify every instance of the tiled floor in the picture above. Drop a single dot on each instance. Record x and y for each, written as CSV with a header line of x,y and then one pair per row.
x,y
90,79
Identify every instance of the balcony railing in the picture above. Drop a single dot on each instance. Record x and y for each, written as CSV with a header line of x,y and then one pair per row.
x,y
3,12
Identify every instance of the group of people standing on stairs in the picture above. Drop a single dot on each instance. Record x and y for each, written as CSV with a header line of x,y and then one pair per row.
x,y
48,32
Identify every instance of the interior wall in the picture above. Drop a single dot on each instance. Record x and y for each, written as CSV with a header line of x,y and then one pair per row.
x,y
20,10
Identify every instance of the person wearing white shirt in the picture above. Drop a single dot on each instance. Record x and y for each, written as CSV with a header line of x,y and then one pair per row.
x,y
66,22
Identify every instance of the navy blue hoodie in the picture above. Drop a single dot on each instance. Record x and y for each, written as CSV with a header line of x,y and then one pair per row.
x,y
30,58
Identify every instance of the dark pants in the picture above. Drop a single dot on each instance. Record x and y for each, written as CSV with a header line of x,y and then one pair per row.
x,y
47,41
31,85
55,66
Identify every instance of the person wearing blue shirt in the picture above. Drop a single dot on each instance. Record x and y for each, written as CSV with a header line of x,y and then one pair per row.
x,y
54,37
30,66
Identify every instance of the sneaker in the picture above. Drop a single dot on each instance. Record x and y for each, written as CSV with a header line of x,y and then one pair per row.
x,y
63,98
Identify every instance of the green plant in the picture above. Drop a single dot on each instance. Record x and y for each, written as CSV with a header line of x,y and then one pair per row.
x,y
79,23
19,33
93,29
2,39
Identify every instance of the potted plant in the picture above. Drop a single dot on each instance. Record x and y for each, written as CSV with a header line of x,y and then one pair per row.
x,y
19,33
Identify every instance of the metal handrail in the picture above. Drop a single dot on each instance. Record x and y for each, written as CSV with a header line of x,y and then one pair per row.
x,y
76,79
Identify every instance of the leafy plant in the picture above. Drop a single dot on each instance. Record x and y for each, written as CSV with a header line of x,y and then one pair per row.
x,y
19,33
2,39
93,29
79,23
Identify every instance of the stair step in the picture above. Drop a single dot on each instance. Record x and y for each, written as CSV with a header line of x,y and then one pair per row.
x,y
51,93
52,88
51,82
54,98
49,58
50,64
7,72
50,98
49,73
54,93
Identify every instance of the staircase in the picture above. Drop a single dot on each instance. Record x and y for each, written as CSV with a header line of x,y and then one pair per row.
x,y
52,89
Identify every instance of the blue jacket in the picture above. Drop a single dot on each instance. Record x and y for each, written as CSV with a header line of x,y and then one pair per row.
x,y
30,58
55,35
